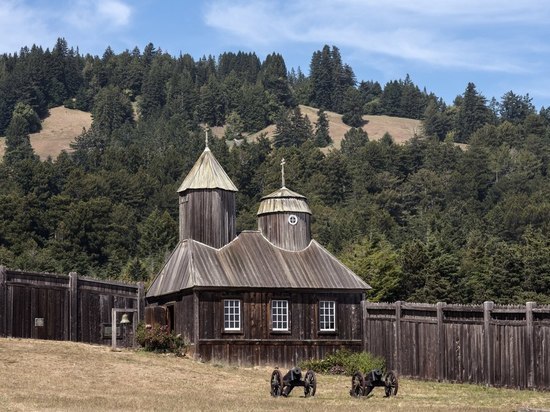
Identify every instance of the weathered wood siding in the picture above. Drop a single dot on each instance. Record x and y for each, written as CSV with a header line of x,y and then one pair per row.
x,y
59,307
208,216
257,344
489,344
275,227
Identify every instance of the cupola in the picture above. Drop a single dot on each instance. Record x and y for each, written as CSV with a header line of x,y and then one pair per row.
x,y
284,217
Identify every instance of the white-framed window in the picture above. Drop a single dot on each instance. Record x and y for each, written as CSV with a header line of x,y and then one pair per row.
x,y
327,315
231,314
279,315
293,219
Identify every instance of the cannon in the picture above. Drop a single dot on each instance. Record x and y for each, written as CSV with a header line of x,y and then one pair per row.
x,y
283,385
362,385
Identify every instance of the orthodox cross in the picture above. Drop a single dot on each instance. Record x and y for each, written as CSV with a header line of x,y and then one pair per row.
x,y
206,138
283,171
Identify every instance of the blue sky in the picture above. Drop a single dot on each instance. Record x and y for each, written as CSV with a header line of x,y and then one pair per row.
x,y
500,45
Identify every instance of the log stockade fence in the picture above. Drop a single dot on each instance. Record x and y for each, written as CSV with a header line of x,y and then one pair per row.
x,y
487,344
61,307
483,344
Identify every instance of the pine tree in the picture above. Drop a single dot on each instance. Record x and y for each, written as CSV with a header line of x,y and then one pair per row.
x,y
273,75
353,108
18,144
472,114
112,109
322,136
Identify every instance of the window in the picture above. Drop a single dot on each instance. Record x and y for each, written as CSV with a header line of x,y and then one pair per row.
x,y
279,315
327,315
292,219
231,314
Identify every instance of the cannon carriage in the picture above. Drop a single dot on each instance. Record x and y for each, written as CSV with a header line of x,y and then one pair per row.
x,y
362,385
283,385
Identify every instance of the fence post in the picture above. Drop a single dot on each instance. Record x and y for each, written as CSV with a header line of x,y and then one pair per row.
x,y
488,342
3,301
73,310
398,336
440,342
529,306
140,302
364,325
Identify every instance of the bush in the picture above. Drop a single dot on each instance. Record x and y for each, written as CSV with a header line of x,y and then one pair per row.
x,y
345,362
157,338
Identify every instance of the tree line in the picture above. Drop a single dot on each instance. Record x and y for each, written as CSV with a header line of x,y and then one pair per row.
x,y
425,221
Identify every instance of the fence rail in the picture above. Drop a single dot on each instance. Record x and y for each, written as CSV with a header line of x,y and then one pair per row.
x,y
484,344
61,307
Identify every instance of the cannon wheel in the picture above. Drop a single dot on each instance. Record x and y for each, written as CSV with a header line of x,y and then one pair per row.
x,y
276,383
391,384
310,383
357,384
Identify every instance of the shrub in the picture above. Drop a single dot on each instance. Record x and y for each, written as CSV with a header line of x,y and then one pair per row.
x,y
157,338
345,362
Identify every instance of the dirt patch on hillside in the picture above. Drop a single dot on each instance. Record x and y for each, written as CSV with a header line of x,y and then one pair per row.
x,y
399,128
59,129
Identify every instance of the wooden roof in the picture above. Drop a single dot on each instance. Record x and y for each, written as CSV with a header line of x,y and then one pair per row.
x,y
283,200
251,261
207,173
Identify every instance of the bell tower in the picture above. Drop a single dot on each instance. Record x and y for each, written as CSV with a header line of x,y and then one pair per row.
x,y
207,203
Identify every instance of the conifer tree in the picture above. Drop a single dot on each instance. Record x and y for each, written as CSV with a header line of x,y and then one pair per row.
x,y
472,114
18,144
322,136
353,108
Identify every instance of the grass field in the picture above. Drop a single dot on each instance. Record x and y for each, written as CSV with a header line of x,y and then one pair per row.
x,y
59,130
47,375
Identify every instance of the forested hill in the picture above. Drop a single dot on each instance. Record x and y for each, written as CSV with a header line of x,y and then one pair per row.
x,y
423,220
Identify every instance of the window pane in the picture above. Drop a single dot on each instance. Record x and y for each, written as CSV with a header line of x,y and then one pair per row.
x,y
279,315
327,315
232,314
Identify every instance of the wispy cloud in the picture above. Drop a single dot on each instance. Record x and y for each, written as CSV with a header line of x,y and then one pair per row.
x,y
443,34
105,15
23,23
16,21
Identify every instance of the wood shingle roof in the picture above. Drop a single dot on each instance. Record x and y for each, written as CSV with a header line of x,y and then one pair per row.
x,y
207,173
251,261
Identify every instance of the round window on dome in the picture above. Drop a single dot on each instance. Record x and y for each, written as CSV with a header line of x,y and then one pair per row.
x,y
292,219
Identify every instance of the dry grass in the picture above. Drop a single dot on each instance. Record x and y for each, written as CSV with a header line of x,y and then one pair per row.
x,y
46,375
59,129
399,128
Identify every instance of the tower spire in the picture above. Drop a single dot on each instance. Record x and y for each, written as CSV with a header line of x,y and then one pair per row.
x,y
283,172
206,137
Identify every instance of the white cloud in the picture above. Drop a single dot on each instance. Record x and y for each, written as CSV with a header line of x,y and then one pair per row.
x,y
86,22
21,26
462,34
102,15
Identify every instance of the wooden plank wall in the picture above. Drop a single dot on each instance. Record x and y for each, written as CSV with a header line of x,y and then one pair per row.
x,y
60,307
270,352
484,344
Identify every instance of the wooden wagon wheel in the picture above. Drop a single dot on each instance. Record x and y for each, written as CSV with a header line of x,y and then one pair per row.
x,y
391,383
276,383
310,383
357,384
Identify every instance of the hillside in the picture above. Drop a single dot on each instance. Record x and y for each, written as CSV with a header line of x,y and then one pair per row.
x,y
62,125
401,129
59,129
